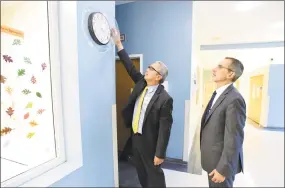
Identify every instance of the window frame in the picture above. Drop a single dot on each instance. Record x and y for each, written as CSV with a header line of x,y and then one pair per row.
x,y
64,88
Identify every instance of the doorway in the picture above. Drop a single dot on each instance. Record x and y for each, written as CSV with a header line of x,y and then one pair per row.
x,y
255,99
124,86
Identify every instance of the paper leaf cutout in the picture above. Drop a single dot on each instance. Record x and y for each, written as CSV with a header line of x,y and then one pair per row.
x,y
7,59
6,131
33,123
33,80
10,111
39,94
21,72
40,111
26,91
29,105
30,135
44,66
27,60
17,42
3,79
26,116
9,90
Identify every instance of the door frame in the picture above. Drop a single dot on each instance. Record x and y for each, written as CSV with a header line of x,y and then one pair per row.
x,y
114,124
135,56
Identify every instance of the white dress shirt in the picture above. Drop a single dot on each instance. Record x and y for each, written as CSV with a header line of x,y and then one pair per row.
x,y
219,92
149,94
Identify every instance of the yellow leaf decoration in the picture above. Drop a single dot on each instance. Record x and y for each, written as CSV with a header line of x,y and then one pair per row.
x,y
29,105
9,90
33,123
30,135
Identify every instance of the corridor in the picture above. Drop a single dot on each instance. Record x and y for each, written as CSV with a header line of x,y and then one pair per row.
x,y
263,163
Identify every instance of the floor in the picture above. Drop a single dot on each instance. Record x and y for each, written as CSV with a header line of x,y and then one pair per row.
x,y
263,163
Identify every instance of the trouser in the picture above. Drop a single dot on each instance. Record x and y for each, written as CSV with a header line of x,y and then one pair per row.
x,y
227,183
149,174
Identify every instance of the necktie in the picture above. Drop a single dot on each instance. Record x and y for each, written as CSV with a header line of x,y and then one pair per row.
x,y
209,106
138,112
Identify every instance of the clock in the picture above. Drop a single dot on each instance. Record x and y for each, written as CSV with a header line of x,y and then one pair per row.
x,y
99,28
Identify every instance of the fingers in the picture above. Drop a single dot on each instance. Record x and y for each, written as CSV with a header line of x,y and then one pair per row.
x,y
212,173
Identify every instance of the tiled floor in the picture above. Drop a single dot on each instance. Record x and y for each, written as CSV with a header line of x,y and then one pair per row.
x,y
263,163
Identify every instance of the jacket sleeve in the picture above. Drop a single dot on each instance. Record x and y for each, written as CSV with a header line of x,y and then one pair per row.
x,y
234,136
128,64
165,124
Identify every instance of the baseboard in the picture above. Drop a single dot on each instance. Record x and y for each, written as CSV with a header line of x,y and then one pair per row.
x,y
279,129
178,161
175,164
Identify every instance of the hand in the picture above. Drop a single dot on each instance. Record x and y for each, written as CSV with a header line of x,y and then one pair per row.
x,y
115,34
157,161
217,177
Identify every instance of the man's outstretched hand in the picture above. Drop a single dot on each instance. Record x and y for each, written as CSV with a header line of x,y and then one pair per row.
x,y
115,34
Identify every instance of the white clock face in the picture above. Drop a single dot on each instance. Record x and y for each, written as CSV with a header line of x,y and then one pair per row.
x,y
101,28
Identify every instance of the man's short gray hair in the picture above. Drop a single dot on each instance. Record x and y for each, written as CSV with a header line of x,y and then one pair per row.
x,y
236,66
163,70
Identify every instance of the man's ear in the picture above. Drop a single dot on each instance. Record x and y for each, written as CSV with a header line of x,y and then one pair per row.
x,y
232,75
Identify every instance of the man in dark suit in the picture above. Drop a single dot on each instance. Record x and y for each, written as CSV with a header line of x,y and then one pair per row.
x,y
222,135
149,114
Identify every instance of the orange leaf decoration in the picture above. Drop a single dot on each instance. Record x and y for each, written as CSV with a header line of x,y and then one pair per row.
x,y
3,79
6,131
10,111
33,123
26,116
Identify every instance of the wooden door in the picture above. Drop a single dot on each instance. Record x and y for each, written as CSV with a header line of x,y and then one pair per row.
x,y
255,100
209,88
124,86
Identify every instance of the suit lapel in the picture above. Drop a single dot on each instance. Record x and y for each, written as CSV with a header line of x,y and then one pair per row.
x,y
151,102
137,91
218,102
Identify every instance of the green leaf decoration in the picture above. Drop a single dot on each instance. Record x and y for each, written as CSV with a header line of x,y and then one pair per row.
x,y
21,72
26,91
17,42
29,105
27,60
39,94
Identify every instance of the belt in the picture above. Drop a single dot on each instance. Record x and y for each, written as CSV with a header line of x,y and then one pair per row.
x,y
137,134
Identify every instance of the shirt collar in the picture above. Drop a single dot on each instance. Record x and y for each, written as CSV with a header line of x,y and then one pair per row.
x,y
222,89
152,88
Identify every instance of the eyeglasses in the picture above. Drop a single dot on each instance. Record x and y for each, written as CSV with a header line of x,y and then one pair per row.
x,y
221,66
151,68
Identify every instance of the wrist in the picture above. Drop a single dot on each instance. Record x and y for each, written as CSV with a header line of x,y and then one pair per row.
x,y
119,46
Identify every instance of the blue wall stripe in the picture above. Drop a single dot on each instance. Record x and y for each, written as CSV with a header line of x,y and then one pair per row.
x,y
242,45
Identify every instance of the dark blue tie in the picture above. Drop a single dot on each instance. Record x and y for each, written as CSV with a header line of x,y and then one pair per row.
x,y
209,106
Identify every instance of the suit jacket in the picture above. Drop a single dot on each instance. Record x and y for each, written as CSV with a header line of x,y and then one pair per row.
x,y
222,135
158,116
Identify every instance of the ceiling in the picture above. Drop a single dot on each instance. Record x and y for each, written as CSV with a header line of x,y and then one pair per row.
x,y
224,22
252,59
122,2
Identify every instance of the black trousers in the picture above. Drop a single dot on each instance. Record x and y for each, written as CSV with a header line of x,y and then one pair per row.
x,y
227,183
149,174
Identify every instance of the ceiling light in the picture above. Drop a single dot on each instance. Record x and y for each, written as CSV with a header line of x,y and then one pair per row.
x,y
247,5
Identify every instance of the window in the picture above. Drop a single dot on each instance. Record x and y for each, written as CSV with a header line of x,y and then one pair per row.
x,y
32,137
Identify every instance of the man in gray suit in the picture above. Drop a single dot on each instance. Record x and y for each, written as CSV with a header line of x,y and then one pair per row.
x,y
222,135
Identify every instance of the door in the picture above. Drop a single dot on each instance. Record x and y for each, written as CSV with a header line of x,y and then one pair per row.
x,y
124,86
255,100
209,88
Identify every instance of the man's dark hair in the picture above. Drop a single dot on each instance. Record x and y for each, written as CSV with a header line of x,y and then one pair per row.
x,y
237,67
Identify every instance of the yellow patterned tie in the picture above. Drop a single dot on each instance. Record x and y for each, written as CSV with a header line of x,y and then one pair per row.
x,y
138,112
